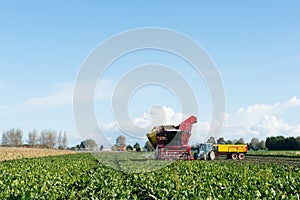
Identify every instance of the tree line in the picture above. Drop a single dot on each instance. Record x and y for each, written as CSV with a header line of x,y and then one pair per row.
x,y
282,143
271,143
121,145
255,144
45,139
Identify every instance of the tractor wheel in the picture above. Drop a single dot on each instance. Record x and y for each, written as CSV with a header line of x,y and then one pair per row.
x,y
241,156
204,156
195,156
211,155
234,156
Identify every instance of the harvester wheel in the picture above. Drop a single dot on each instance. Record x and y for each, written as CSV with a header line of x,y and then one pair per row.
x,y
241,156
211,155
234,156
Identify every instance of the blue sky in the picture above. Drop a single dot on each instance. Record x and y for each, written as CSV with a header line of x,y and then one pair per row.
x,y
255,46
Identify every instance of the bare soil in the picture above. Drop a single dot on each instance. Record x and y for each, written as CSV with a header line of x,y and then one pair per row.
x,y
11,153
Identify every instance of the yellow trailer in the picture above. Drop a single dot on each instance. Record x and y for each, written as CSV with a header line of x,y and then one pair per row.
x,y
233,151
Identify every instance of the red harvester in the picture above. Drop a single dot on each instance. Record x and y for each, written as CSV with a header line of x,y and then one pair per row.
x,y
171,142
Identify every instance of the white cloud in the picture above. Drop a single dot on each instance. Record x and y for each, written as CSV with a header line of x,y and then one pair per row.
x,y
255,113
261,121
293,102
297,130
271,125
268,126
63,95
199,132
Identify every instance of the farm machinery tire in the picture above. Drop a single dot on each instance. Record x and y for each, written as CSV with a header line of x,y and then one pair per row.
x,y
241,156
195,156
211,155
234,156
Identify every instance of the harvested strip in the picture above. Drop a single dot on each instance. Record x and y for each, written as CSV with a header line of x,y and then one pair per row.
x,y
8,153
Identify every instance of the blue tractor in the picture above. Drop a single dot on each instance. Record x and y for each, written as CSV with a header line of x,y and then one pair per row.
x,y
205,151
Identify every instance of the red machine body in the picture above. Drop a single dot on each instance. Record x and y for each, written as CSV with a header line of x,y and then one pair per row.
x,y
171,142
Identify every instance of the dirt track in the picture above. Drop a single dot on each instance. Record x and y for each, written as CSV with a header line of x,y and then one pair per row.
x,y
266,160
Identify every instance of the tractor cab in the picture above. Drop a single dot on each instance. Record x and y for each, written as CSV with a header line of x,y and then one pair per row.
x,y
205,151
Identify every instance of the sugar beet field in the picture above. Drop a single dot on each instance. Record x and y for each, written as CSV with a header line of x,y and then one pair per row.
x,y
110,176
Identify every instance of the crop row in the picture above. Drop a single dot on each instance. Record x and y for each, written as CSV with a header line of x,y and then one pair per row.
x,y
289,154
81,176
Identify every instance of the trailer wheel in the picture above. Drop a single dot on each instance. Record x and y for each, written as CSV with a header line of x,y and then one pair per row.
x,y
211,155
234,156
241,156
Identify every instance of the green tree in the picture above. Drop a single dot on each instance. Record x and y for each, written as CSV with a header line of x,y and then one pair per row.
x,y
129,148
228,142
253,144
270,143
221,140
290,143
136,145
211,140
298,142
240,141
88,144
121,141
149,146
282,143
261,145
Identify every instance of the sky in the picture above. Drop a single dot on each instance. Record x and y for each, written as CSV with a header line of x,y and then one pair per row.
x,y
254,45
